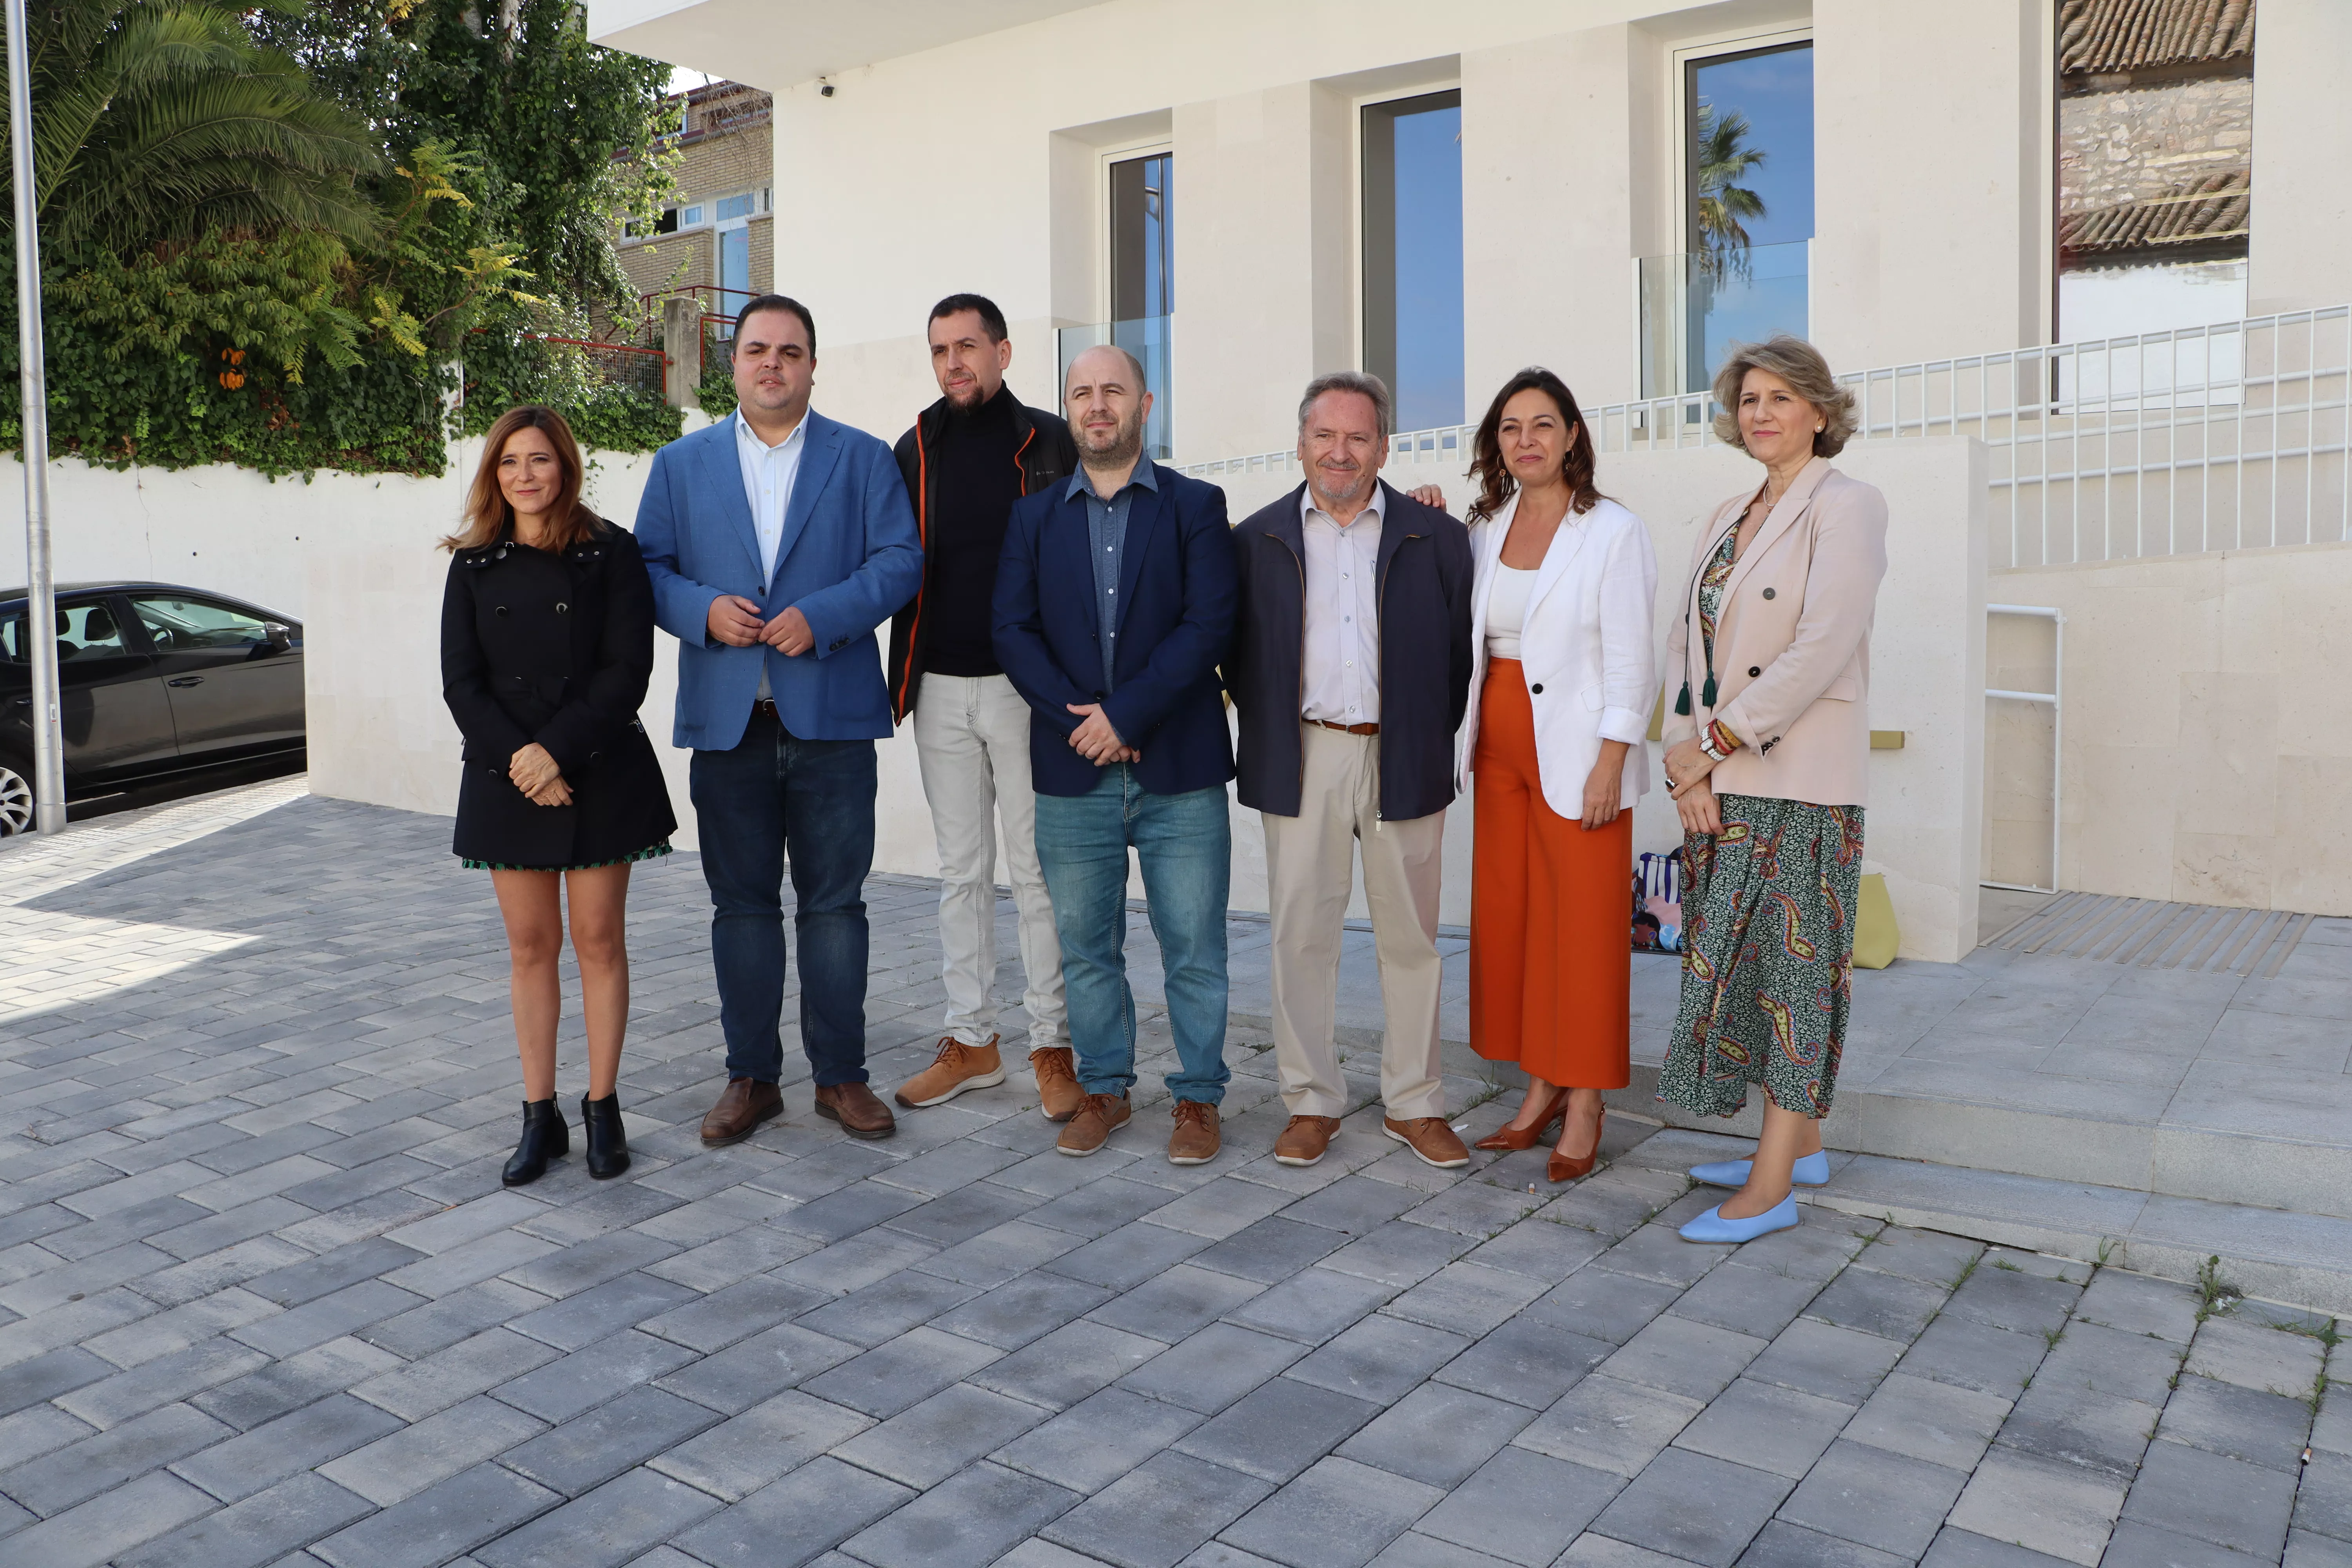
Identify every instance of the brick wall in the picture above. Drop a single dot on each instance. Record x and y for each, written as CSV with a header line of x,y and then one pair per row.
x,y
727,148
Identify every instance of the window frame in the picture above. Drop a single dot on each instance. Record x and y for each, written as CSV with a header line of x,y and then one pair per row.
x,y
1359,282
1682,199
1105,244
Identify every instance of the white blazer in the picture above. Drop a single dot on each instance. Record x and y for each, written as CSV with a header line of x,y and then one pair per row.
x,y
1585,649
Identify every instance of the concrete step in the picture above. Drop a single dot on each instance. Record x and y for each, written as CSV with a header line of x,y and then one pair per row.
x,y
2301,1260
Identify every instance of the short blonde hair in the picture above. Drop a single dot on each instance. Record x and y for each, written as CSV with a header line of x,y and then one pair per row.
x,y
1799,363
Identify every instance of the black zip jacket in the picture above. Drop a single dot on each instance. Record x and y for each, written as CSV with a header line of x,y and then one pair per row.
x,y
1424,577
1046,454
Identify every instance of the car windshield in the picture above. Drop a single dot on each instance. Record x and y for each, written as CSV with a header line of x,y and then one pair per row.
x,y
179,626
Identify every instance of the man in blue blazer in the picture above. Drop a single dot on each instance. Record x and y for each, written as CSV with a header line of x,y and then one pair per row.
x,y
1114,605
778,540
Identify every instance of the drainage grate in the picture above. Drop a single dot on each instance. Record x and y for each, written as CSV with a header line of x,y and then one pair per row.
x,y
2152,934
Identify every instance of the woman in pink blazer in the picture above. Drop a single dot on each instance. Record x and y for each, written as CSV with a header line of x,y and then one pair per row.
x,y
1768,754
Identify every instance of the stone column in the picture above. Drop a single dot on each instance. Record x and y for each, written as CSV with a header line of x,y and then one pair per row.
x,y
682,342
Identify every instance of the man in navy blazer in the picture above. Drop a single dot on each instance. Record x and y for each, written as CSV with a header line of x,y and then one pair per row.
x,y
1114,605
778,540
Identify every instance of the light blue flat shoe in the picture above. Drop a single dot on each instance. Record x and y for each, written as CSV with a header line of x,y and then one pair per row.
x,y
1813,1171
1712,1226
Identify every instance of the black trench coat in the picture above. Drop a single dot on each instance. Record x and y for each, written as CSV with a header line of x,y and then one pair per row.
x,y
556,649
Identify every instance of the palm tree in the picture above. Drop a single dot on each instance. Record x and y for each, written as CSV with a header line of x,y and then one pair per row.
x,y
1724,208
160,119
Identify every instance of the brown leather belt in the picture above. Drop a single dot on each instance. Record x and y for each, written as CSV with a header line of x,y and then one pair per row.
x,y
1347,729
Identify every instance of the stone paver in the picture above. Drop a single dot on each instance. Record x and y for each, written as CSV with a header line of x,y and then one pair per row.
x,y
263,1301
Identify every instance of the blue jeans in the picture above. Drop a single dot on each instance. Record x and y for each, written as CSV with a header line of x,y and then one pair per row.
x,y
776,797
1184,843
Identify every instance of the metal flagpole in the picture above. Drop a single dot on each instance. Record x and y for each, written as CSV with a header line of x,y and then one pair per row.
x,y
41,606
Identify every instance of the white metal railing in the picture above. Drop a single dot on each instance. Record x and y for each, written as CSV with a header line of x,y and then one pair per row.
x,y
2226,436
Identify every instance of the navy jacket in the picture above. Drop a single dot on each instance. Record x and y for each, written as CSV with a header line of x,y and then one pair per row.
x,y
1424,573
1175,623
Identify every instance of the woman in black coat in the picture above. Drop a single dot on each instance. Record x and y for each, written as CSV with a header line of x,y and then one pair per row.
x,y
547,643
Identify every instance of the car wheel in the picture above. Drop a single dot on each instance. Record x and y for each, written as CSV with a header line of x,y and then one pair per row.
x,y
16,800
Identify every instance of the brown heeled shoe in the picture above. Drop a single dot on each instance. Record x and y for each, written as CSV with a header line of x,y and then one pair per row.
x,y
1514,1139
1560,1168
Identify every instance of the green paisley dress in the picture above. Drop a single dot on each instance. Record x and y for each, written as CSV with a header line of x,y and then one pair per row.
x,y
1769,910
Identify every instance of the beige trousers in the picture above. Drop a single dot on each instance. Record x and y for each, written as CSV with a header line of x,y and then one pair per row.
x,y
1310,872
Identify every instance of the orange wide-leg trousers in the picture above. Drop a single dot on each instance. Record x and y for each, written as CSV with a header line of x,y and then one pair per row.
x,y
1550,902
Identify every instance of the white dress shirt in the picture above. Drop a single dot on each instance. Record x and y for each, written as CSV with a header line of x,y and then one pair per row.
x,y
769,473
1339,676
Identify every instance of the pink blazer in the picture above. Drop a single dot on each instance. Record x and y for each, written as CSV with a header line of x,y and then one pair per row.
x,y
1791,642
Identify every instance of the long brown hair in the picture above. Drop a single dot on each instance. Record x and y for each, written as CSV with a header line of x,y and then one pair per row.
x,y
488,515
1496,484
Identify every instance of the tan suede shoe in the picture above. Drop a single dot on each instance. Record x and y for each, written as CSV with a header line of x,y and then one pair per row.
x,y
1196,1140
957,1067
1305,1140
1431,1139
1099,1116
1057,1082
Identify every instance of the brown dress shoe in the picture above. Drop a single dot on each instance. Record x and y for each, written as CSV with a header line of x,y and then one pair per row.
x,y
957,1067
1305,1140
741,1107
1431,1139
1098,1117
1196,1140
855,1106
1057,1082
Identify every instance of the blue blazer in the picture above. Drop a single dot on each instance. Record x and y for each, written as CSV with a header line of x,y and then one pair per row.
x,y
1176,594
848,559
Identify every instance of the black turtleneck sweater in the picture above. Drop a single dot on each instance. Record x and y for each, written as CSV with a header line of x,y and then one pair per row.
x,y
979,480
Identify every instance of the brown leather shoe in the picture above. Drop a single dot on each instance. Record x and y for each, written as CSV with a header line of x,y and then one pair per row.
x,y
1196,1140
1305,1140
1431,1139
1057,1082
741,1107
1098,1117
957,1067
855,1106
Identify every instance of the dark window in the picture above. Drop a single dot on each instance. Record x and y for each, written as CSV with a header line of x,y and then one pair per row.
x,y
1142,238
1413,255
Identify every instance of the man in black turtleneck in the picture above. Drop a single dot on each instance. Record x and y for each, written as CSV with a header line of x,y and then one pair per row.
x,y
968,458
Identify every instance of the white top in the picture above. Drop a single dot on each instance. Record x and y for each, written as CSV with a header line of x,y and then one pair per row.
x,y
1339,676
1506,610
769,473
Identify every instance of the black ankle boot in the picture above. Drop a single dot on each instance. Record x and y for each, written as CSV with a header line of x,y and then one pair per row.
x,y
608,1146
544,1137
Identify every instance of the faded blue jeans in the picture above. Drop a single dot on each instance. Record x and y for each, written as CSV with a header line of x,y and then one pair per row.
x,y
1184,843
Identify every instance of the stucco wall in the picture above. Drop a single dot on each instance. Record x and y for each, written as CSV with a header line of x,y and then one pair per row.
x,y
2194,767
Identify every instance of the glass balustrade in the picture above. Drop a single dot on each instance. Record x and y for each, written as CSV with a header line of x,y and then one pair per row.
x,y
1695,306
1149,339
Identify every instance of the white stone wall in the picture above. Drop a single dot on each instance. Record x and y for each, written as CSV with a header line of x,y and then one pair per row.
x,y
2195,768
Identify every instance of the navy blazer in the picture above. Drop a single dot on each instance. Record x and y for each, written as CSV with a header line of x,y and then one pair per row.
x,y
1176,597
848,559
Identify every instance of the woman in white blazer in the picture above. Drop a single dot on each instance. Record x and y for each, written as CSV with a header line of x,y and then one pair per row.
x,y
1554,745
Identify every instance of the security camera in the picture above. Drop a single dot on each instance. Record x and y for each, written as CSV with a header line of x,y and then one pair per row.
x,y
824,88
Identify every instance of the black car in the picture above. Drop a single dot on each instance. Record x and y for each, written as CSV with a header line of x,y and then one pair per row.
x,y
155,680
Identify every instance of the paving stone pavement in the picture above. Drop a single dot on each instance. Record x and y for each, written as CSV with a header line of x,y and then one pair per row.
x,y
264,1301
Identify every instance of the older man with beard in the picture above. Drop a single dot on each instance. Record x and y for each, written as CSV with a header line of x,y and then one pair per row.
x,y
1114,606
1352,670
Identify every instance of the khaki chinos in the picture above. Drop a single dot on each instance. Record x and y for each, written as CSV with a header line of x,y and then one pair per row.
x,y
1310,872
